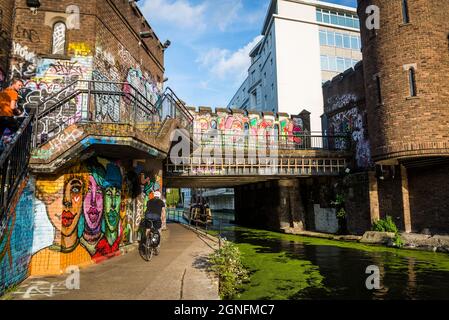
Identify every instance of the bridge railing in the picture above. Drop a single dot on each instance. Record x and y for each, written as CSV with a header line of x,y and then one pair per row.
x,y
14,163
294,166
246,142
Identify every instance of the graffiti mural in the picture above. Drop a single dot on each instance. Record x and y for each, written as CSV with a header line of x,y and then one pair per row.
x,y
352,121
142,83
80,49
45,89
85,214
16,237
237,125
108,105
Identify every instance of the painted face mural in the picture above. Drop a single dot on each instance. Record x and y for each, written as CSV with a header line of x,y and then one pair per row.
x,y
112,205
112,198
93,205
72,205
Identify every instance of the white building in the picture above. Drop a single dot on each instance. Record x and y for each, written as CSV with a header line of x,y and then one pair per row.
x,y
304,44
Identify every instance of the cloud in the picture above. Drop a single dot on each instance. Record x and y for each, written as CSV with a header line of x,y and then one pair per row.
x,y
225,64
179,12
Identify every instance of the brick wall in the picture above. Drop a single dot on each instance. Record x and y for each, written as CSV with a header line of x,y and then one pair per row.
x,y
102,42
6,16
390,196
429,194
402,125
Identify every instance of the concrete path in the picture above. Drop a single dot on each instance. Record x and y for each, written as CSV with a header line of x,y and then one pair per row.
x,y
178,273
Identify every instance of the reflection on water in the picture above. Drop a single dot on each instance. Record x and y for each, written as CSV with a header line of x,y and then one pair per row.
x,y
293,267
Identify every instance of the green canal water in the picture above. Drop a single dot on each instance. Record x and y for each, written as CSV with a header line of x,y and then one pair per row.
x,y
297,268
289,267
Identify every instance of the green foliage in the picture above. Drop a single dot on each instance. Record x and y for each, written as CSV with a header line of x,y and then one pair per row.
x,y
388,225
339,201
226,263
398,242
341,214
172,197
385,225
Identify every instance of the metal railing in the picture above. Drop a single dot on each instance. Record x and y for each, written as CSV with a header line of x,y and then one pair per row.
x,y
105,102
14,163
269,141
299,166
169,105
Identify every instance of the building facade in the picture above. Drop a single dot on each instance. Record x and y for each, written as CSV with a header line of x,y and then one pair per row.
x,y
88,183
406,63
304,44
395,106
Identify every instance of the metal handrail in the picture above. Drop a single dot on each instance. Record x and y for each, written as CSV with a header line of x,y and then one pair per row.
x,y
14,163
170,95
140,106
300,141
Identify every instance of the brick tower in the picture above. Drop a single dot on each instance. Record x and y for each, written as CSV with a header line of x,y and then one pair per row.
x,y
406,66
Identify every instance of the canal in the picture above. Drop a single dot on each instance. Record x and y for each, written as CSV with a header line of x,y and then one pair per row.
x,y
300,268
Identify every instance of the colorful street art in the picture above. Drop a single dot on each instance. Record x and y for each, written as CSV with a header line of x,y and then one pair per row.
x,y
236,125
142,83
352,121
16,236
80,217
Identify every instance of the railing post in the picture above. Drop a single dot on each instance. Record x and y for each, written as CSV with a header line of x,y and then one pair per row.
x,y
90,114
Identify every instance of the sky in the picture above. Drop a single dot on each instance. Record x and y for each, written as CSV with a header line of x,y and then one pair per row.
x,y
210,43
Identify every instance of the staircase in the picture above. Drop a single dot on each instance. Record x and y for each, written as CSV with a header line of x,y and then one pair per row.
x,y
14,164
87,108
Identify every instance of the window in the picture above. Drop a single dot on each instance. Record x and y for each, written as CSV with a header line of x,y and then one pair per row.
x,y
337,18
334,19
331,38
340,64
341,19
346,41
324,63
326,16
319,16
405,13
412,82
59,38
348,63
323,38
379,91
355,43
339,40
332,64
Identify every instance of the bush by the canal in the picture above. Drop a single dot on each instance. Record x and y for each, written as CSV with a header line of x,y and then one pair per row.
x,y
227,264
339,205
388,225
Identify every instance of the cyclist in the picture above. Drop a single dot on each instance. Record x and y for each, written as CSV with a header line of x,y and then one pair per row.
x,y
154,212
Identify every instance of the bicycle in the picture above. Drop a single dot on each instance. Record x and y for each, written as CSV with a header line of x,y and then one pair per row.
x,y
149,245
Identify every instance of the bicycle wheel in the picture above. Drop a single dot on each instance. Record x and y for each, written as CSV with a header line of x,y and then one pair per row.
x,y
148,247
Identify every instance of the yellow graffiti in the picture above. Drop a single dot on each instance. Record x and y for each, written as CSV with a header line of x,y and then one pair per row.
x,y
80,49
